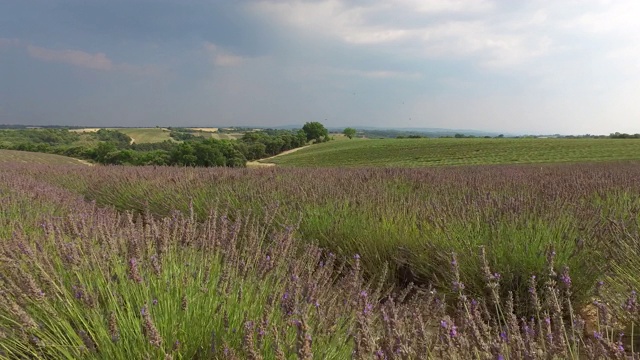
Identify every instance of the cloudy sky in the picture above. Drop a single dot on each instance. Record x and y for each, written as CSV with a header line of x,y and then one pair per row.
x,y
538,66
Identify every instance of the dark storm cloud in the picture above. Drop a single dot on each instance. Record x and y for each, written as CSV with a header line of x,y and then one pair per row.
x,y
543,66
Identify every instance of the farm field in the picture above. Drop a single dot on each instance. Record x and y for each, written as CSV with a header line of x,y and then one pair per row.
x,y
146,135
139,135
438,152
153,135
227,136
432,239
14,156
212,130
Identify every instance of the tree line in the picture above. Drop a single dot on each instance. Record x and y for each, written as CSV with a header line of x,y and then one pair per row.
x,y
116,148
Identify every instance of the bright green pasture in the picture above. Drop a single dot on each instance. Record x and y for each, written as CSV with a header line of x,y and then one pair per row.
x,y
434,152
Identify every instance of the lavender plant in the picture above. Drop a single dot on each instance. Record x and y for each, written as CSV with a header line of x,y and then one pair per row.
x,y
501,261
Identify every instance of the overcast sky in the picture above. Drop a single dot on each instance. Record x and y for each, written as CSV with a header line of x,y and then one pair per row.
x,y
556,66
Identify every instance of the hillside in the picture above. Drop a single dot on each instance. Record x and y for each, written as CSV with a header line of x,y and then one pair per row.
x,y
146,135
7,156
434,152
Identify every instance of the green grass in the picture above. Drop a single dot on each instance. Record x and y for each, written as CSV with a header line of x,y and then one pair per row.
x,y
435,152
146,135
7,156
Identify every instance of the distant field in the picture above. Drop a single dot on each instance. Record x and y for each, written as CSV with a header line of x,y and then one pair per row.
x,y
205,129
229,136
7,156
85,130
139,135
146,135
434,152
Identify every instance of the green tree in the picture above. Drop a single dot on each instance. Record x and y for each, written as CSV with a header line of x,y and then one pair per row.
x,y
257,151
349,132
102,150
315,131
183,155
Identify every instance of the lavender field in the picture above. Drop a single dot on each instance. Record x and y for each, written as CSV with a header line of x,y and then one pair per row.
x,y
487,262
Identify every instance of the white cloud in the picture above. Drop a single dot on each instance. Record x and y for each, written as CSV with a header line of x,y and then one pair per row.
x,y
445,6
98,61
221,57
377,74
488,33
437,29
5,42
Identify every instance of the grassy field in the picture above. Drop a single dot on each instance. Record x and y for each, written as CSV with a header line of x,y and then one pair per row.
x,y
150,135
8,156
146,135
227,136
435,152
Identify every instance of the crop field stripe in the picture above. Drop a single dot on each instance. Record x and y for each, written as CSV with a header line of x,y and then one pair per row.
x,y
437,152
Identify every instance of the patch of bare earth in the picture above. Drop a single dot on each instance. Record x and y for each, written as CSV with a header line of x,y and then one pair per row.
x,y
265,162
205,129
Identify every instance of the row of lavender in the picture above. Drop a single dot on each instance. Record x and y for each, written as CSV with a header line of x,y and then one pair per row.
x,y
410,219
80,280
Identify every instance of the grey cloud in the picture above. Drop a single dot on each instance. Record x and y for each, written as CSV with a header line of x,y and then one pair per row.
x,y
221,22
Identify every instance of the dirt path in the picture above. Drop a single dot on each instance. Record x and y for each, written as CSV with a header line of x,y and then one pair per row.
x,y
261,163
85,162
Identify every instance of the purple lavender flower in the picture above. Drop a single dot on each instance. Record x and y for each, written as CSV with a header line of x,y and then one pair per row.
x,y
453,331
503,336
631,305
565,278
458,286
368,308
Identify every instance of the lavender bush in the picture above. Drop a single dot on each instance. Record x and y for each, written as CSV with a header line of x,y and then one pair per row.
x,y
242,278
